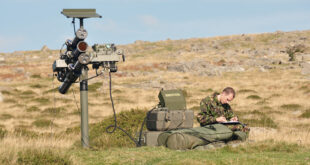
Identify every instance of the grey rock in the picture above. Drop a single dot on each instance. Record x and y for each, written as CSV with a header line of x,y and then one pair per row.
x,y
2,60
19,70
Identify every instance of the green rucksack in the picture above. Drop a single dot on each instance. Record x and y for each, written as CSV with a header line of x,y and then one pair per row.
x,y
193,137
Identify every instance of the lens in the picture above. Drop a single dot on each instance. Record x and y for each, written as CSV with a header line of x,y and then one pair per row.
x,y
82,46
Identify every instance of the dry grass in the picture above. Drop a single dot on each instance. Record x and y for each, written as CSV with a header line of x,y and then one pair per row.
x,y
280,94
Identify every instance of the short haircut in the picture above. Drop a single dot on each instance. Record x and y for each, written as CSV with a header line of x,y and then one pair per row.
x,y
229,90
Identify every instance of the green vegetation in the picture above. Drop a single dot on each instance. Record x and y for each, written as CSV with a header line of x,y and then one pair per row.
x,y
6,100
246,91
291,106
116,91
128,120
93,87
51,90
22,131
5,92
41,123
266,152
41,100
54,111
47,157
32,109
260,119
28,92
254,97
6,116
37,86
35,76
3,133
207,90
306,114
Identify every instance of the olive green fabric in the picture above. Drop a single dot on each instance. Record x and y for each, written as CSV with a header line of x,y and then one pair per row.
x,y
193,137
172,99
240,135
165,120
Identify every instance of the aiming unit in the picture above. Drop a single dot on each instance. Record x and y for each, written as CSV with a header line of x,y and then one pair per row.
x,y
73,63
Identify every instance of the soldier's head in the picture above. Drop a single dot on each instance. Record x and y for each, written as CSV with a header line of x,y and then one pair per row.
x,y
227,95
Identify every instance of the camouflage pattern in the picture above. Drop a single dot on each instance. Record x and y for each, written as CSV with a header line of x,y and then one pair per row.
x,y
212,108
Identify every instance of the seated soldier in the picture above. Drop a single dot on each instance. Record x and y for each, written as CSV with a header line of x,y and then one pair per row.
x,y
215,109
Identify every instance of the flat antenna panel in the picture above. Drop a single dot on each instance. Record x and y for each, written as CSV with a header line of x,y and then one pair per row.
x,y
80,13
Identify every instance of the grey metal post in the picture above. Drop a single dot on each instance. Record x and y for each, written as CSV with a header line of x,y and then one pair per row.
x,y
84,107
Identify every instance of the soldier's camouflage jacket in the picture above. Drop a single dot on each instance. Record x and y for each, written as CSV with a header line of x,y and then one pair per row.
x,y
212,108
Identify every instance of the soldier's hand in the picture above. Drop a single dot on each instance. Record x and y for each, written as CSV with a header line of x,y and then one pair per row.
x,y
234,118
221,119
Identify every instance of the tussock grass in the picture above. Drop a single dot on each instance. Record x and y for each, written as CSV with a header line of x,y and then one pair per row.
x,y
246,91
42,100
54,111
306,114
46,156
22,131
3,133
128,120
37,86
116,91
28,92
6,116
5,92
254,97
41,123
259,119
8,100
291,106
33,109
51,90
36,76
207,90
93,87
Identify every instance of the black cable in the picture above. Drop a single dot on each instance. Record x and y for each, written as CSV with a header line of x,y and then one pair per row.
x,y
115,119
73,22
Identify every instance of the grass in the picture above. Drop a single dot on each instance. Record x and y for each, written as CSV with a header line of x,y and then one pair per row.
x,y
128,120
42,100
37,76
262,153
259,119
291,106
54,111
6,100
6,116
3,133
33,109
41,123
37,86
207,90
93,87
254,97
45,156
22,131
246,91
306,114
51,90
28,92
